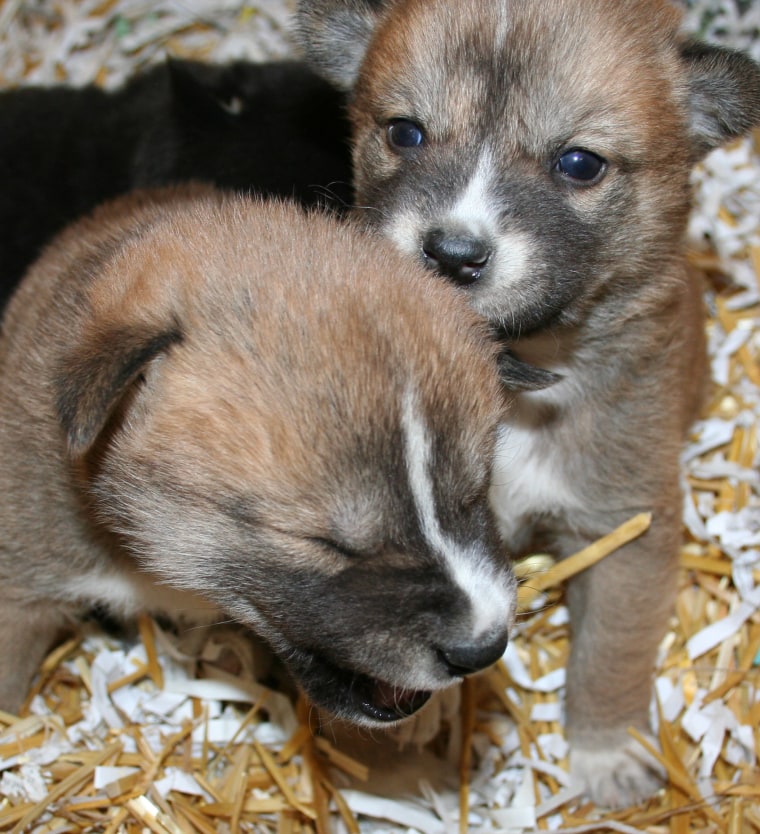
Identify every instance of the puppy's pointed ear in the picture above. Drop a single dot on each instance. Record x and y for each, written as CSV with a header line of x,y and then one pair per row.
x,y
206,90
724,94
335,34
517,375
93,378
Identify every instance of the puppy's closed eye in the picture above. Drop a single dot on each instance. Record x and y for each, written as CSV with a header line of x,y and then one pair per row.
x,y
332,547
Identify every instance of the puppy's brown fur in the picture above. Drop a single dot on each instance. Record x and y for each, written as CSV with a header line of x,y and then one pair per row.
x,y
538,154
210,403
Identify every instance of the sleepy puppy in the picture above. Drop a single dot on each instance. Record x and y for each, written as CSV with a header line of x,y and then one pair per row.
x,y
274,129
537,154
215,407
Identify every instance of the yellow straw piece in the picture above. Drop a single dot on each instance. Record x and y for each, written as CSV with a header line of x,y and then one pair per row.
x,y
583,559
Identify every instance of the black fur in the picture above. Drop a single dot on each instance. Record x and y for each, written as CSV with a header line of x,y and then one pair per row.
x,y
274,129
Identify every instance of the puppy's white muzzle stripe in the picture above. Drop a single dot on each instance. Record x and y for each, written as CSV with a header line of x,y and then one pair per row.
x,y
475,209
488,593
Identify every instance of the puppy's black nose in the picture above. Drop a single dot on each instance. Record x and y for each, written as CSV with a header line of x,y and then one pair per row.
x,y
467,658
461,257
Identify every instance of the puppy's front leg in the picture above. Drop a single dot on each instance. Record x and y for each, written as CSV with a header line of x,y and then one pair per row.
x,y
619,613
29,630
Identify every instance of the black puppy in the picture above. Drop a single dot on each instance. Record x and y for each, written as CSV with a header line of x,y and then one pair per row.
x,y
273,129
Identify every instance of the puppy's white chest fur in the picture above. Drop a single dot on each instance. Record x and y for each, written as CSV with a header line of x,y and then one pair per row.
x,y
127,592
530,475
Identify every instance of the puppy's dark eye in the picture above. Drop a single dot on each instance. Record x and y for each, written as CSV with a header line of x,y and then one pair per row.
x,y
581,165
404,134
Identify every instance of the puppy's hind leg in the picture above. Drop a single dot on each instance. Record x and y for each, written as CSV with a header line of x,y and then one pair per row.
x,y
619,612
29,630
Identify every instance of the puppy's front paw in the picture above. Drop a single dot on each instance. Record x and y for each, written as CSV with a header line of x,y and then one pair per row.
x,y
425,725
616,775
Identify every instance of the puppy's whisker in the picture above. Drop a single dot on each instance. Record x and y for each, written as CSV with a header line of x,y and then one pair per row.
x,y
205,626
367,209
334,197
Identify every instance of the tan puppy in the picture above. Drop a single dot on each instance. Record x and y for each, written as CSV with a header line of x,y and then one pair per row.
x,y
537,153
213,403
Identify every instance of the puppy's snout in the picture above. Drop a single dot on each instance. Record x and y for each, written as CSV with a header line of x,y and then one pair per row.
x,y
468,658
460,256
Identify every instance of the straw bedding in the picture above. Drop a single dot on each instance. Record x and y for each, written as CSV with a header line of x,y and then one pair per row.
x,y
140,735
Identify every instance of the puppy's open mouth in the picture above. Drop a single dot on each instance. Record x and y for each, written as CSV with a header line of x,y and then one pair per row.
x,y
384,702
353,695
